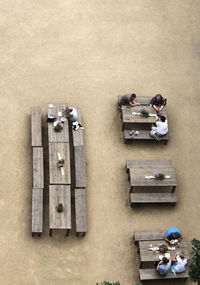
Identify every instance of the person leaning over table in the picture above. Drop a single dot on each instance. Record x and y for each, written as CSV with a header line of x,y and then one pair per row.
x,y
71,114
179,263
173,234
128,99
158,102
161,127
164,266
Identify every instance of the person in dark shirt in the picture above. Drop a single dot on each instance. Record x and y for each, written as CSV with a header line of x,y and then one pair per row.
x,y
158,102
128,99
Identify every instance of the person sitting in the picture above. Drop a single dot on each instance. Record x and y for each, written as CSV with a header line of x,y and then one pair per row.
x,y
180,263
164,266
173,236
161,127
128,99
158,102
71,114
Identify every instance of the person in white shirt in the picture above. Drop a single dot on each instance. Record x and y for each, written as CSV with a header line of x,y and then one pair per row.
x,y
161,127
180,263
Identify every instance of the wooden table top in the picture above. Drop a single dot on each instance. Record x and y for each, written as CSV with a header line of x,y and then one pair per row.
x,y
147,255
128,117
137,176
62,136
54,172
59,194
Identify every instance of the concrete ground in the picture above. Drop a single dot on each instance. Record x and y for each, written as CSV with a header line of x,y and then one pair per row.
x,y
86,53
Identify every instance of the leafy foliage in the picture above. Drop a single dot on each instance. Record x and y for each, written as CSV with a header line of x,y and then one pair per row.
x,y
58,128
194,268
60,208
144,113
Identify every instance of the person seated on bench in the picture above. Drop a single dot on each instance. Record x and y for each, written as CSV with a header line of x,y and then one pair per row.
x,y
173,236
128,99
179,263
161,127
164,266
158,102
72,115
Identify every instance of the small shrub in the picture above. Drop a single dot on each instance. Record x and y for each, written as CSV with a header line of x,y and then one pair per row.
x,y
58,128
60,208
144,113
159,176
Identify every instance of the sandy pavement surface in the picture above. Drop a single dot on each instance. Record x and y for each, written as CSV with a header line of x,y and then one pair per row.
x,y
86,53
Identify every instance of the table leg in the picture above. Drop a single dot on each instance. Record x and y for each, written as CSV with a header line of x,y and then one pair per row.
x,y
50,232
67,232
173,189
77,234
131,189
141,265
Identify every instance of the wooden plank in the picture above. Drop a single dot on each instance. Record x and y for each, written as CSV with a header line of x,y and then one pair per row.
x,y
38,168
62,136
143,135
137,176
36,126
147,255
141,198
148,163
60,194
152,274
149,235
54,172
80,211
78,135
129,118
143,100
37,210
80,172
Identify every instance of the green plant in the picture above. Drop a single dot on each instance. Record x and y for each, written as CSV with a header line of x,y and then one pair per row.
x,y
144,113
58,128
194,267
108,283
60,163
159,176
60,208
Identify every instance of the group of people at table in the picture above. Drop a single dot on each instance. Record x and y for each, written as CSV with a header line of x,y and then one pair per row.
x,y
178,263
157,103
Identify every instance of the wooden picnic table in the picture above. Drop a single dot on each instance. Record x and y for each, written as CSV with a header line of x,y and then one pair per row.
x,y
62,136
54,172
60,194
129,119
147,255
137,177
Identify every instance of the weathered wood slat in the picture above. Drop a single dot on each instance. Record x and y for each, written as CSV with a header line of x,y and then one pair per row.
x,y
143,100
149,235
38,168
143,135
78,135
151,274
54,172
80,172
36,126
148,163
139,198
80,211
37,210
63,136
60,194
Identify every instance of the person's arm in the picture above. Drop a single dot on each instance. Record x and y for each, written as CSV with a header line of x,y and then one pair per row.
x,y
175,257
133,104
157,268
167,240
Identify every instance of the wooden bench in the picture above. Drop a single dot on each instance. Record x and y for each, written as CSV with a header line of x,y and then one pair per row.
x,y
37,211
36,127
143,135
148,235
140,198
78,135
80,173
38,168
80,211
147,163
152,274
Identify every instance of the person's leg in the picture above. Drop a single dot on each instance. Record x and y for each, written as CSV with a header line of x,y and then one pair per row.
x,y
153,131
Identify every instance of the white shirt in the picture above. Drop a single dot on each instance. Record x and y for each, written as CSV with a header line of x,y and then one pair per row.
x,y
180,265
162,127
74,115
